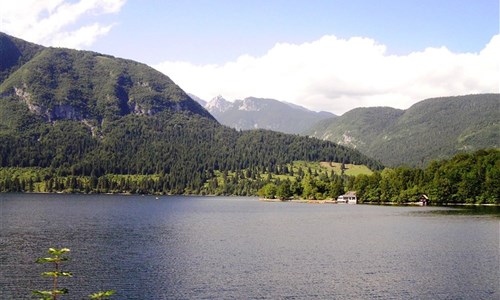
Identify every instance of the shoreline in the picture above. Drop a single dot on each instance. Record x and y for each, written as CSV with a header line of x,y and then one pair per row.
x,y
300,201
326,201
377,203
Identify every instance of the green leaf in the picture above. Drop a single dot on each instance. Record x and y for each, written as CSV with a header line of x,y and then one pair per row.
x,y
50,274
58,252
57,274
101,295
48,295
46,260
42,293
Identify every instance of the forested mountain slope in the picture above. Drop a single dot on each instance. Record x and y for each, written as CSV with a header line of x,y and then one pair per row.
x,y
357,128
431,129
84,113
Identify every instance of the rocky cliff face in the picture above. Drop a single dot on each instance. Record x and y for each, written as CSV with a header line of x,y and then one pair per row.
x,y
65,111
56,112
218,105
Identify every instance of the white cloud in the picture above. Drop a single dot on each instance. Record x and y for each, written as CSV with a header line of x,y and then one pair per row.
x,y
84,36
56,22
337,75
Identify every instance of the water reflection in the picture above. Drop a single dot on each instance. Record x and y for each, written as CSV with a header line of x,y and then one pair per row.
x,y
465,210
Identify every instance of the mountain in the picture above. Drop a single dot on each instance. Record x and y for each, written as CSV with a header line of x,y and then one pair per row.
x,y
58,83
218,105
357,128
261,113
431,129
81,113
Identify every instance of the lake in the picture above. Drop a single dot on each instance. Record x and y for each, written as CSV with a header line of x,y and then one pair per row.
x,y
179,247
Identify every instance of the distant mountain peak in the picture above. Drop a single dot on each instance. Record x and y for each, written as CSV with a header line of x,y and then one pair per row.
x,y
218,105
263,113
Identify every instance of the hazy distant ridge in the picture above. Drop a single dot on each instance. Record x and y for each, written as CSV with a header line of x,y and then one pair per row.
x,y
263,113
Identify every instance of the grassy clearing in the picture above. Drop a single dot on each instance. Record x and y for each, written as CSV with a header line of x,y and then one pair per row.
x,y
322,168
352,170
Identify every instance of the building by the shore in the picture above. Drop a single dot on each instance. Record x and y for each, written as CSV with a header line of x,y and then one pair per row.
x,y
349,197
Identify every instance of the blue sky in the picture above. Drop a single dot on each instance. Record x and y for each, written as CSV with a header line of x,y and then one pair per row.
x,y
217,31
325,55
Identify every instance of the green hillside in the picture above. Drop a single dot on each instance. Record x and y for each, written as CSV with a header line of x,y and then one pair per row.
x,y
358,127
88,116
431,129
349,169
59,83
14,53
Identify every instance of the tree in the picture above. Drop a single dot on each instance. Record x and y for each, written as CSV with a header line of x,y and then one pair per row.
x,y
284,191
336,187
310,190
268,191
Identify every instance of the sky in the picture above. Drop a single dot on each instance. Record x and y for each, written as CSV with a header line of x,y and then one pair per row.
x,y
325,55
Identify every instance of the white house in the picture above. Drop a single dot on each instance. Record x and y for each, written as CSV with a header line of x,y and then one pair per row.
x,y
349,197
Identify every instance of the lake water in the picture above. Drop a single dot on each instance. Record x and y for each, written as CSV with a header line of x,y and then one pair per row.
x,y
241,248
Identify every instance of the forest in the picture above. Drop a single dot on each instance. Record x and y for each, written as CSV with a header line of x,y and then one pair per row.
x,y
466,178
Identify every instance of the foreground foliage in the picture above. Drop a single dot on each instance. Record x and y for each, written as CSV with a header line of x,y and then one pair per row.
x,y
57,257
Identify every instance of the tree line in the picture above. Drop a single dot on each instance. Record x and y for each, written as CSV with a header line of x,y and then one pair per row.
x,y
465,178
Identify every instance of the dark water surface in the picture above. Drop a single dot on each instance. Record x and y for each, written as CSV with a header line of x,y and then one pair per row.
x,y
240,248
